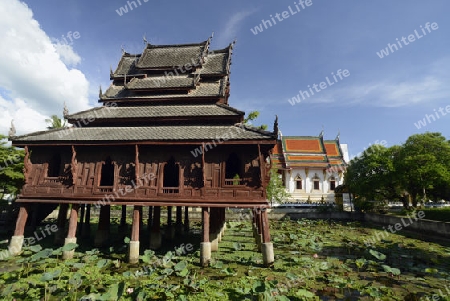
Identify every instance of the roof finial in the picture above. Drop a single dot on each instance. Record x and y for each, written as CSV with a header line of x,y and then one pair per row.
x,y
321,133
145,39
65,110
338,134
100,93
12,129
123,49
111,73
275,126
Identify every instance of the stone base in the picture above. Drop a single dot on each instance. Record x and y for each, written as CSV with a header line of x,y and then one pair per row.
x,y
133,255
205,253
155,240
219,236
15,246
69,254
267,253
214,242
101,238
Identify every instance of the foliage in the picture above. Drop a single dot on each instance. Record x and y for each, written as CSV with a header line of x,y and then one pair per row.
x,y
252,116
315,260
418,168
11,167
55,122
276,192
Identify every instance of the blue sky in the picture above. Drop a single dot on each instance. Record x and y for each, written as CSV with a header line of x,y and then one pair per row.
x,y
380,99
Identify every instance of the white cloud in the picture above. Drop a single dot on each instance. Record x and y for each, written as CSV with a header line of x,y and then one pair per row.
x,y
34,71
229,33
390,92
67,55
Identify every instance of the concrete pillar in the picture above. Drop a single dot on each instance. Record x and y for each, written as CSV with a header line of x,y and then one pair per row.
x,y
73,220
155,235
267,253
16,244
133,255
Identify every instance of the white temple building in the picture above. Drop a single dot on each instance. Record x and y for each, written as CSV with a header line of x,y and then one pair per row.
x,y
311,167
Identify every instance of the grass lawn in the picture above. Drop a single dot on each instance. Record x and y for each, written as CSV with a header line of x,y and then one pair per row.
x,y
437,214
314,260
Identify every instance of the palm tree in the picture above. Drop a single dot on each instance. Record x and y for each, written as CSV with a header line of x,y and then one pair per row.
x,y
55,122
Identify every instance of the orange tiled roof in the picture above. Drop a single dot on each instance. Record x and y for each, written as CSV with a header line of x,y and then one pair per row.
x,y
306,151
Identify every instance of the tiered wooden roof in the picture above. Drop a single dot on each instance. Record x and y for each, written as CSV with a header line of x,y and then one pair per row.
x,y
307,151
167,93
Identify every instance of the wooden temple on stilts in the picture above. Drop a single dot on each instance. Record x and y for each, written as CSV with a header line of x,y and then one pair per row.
x,y
164,136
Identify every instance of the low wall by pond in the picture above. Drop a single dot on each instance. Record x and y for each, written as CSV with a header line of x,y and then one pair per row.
x,y
416,224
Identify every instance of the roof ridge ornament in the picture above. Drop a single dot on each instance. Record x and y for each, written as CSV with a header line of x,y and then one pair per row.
x,y
338,135
100,93
123,49
12,129
145,40
275,126
111,73
65,110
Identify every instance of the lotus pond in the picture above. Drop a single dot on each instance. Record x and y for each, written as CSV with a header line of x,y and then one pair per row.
x,y
314,260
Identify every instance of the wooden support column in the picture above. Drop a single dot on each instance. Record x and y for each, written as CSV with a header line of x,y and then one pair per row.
x,y
15,246
213,232
150,218
71,234
123,217
82,213
87,222
266,245
133,255
34,217
186,219
103,230
179,221
170,231
141,221
259,229
155,235
205,245
61,224
123,228
265,226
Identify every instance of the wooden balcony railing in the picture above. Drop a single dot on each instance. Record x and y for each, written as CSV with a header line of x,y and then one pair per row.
x,y
170,190
234,182
105,189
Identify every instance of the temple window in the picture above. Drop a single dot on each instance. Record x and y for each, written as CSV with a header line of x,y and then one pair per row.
x,y
54,166
233,170
298,183
332,183
171,174
316,183
107,174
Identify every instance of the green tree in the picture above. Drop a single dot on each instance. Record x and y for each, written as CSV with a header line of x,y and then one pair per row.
x,y
11,167
372,176
276,192
252,116
55,122
424,163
